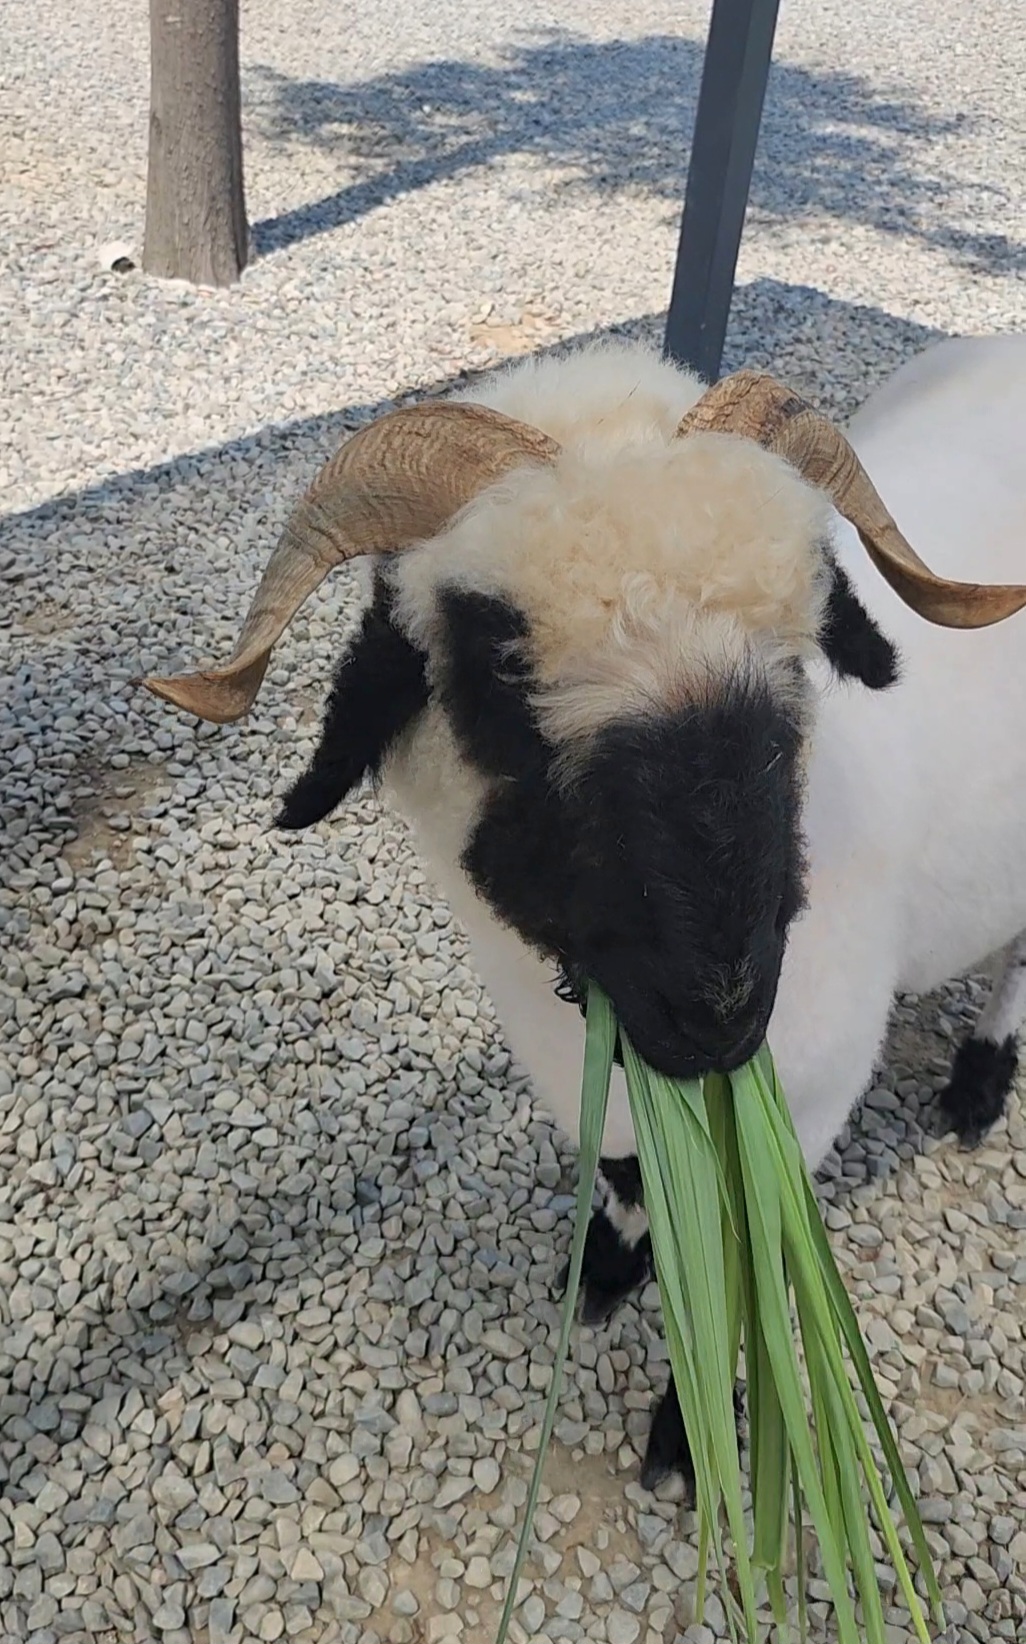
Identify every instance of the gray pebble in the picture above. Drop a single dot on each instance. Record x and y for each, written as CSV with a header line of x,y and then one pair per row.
x,y
197,1554
532,1614
169,1617
622,1628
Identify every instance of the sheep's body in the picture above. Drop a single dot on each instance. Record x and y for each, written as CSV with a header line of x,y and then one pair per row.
x,y
914,807
615,692
622,672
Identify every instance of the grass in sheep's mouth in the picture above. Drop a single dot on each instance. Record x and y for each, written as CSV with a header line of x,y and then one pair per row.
x,y
740,1252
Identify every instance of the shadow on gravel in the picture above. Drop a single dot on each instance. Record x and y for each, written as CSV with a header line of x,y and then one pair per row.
x,y
617,116
835,352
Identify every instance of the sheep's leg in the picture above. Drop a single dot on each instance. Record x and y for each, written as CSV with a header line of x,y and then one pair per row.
x,y
985,1065
618,1260
668,1450
617,1251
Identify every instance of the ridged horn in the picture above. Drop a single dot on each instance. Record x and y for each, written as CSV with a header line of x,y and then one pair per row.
x,y
759,408
397,482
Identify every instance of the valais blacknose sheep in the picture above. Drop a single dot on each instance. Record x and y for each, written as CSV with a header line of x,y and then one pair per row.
x,y
671,703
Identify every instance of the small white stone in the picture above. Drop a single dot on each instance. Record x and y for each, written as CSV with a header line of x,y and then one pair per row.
x,y
306,1566
343,1470
486,1474
169,1617
197,1554
622,1628
532,1614
372,1584
408,1412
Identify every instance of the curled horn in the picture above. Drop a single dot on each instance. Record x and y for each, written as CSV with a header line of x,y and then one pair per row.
x,y
761,409
395,483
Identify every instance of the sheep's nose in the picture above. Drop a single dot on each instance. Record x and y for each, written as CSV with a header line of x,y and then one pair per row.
x,y
727,1044
740,1052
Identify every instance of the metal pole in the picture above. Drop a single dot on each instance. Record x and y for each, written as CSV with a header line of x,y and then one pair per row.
x,y
734,76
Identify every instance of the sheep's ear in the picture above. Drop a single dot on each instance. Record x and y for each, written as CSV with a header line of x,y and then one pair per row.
x,y
379,687
850,639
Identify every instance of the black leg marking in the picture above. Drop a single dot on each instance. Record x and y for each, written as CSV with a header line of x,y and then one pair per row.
x,y
668,1451
982,1076
617,1254
612,1269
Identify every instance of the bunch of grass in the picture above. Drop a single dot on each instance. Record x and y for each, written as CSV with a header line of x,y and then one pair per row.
x,y
742,1262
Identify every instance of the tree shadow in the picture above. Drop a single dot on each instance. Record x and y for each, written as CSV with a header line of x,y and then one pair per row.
x,y
616,116
834,351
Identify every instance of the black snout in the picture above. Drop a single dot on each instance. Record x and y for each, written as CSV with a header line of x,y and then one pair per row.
x,y
682,1039
679,1055
679,1037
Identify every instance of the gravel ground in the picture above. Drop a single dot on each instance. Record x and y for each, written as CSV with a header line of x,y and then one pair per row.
x,y
279,1222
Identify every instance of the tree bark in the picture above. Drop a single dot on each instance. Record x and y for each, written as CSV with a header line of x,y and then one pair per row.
x,y
195,202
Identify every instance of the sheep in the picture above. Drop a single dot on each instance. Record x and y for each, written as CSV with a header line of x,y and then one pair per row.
x,y
671,704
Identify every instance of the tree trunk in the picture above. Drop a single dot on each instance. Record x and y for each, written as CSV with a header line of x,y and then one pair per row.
x,y
195,204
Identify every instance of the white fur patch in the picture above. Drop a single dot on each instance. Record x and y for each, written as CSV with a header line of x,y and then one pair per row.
x,y
629,1220
427,780
1005,1012
603,396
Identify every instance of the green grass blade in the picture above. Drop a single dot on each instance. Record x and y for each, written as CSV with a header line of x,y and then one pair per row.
x,y
799,1554
848,1324
680,1226
845,1316
762,1195
719,1107
598,1061
778,1604
851,1443
834,1436
684,1194
803,1227
769,1450
770,1453
704,1534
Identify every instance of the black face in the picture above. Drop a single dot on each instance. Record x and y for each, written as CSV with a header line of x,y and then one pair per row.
x,y
688,876
666,866
668,874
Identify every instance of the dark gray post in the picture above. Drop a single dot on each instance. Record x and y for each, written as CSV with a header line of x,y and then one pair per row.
x,y
737,60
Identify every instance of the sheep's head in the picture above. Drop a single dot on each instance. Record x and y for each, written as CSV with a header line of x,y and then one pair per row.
x,y
609,658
